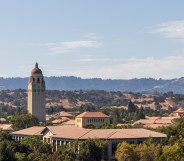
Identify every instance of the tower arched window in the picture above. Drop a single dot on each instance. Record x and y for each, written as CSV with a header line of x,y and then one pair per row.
x,y
38,80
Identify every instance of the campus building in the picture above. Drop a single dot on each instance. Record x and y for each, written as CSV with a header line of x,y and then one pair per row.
x,y
61,135
91,118
155,122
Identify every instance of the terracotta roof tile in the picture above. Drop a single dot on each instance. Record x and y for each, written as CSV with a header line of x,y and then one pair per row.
x,y
75,134
109,134
35,130
92,115
180,110
62,129
145,121
156,120
70,122
64,114
6,126
154,126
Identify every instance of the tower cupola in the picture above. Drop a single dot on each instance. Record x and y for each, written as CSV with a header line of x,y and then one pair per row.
x,y
36,70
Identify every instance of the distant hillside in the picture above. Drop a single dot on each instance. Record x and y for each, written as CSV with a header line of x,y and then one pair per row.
x,y
75,83
177,86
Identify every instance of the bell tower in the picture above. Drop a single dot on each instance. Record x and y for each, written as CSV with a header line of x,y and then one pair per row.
x,y
36,94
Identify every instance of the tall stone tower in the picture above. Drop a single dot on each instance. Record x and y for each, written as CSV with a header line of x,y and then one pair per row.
x,y
36,93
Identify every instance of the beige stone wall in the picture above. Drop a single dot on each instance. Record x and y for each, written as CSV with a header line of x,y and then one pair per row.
x,y
46,137
36,96
78,122
82,122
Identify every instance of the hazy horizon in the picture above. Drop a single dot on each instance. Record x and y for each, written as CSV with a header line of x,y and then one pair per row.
x,y
95,78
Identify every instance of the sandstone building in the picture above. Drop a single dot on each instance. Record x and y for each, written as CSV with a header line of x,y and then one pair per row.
x,y
36,94
62,135
91,118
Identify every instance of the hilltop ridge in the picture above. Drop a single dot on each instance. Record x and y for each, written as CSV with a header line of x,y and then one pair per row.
x,y
71,83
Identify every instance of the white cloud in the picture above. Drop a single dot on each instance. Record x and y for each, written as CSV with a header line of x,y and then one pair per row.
x,y
68,46
92,59
81,44
87,60
89,40
172,29
91,35
167,67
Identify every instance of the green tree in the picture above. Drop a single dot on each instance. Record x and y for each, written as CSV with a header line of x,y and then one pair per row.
x,y
126,152
115,116
20,156
141,114
23,121
148,152
35,145
36,149
7,147
7,150
171,153
88,150
66,152
131,107
91,150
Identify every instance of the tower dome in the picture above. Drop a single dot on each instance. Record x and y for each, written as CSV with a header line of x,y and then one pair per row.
x,y
36,70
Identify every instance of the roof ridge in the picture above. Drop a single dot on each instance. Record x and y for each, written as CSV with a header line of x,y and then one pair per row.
x,y
50,129
111,134
88,114
40,130
129,134
85,133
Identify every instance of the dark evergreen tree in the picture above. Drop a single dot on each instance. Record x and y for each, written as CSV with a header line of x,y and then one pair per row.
x,y
131,107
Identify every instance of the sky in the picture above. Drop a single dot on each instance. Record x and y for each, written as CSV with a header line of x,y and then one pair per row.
x,y
109,39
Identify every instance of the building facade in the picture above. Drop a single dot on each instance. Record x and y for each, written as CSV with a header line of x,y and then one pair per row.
x,y
36,94
62,135
91,118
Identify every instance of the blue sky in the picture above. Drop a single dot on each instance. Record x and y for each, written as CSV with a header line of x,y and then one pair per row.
x,y
117,39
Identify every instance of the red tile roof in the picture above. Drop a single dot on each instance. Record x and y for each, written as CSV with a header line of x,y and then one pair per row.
x,y
6,127
73,132
92,115
64,114
156,120
111,134
35,130
70,122
180,110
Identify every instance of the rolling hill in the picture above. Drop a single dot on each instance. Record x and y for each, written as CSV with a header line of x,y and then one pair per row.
x,y
146,85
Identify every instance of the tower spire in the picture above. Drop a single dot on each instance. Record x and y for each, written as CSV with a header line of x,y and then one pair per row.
x,y
36,65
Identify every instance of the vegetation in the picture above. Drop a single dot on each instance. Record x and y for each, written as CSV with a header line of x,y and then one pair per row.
x,y
88,150
22,119
86,100
119,106
170,149
140,152
32,148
